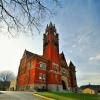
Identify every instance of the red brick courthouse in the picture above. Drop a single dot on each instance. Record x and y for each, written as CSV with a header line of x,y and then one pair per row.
x,y
49,71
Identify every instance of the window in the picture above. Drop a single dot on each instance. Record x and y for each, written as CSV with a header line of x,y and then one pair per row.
x,y
29,65
56,67
44,77
40,76
63,71
42,66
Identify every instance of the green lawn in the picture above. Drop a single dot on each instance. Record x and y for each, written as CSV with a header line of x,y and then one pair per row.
x,y
69,96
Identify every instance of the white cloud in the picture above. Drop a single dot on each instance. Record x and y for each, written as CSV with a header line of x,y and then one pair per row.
x,y
95,58
11,51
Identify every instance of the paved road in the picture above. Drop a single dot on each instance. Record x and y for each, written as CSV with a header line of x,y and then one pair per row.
x,y
10,95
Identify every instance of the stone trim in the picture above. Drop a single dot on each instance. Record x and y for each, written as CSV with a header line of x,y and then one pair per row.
x,y
33,87
55,87
54,72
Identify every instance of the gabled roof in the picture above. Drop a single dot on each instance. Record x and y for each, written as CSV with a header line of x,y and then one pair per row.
x,y
29,54
62,58
94,87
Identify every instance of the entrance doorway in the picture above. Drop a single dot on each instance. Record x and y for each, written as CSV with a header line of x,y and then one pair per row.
x,y
63,85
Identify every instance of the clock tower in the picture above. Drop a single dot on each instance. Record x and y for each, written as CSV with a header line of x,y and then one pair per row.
x,y
51,52
51,44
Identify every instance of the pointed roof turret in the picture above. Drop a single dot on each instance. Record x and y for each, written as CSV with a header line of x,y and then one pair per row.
x,y
71,64
47,26
46,29
62,54
63,60
54,28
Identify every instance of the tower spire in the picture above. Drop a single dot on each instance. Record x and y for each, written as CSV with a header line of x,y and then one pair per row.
x,y
50,27
51,42
46,29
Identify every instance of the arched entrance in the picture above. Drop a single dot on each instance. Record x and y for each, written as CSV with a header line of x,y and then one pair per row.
x,y
63,85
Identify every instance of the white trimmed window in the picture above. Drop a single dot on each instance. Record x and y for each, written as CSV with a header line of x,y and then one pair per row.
x,y
42,66
40,76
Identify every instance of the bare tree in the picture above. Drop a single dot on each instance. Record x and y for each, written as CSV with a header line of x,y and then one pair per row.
x,y
6,76
23,14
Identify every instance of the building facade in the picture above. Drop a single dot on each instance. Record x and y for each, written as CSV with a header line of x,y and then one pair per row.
x,y
12,86
90,89
49,71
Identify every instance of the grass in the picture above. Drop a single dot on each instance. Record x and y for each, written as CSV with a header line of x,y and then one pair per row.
x,y
69,96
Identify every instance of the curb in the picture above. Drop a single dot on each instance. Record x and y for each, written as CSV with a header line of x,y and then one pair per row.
x,y
46,98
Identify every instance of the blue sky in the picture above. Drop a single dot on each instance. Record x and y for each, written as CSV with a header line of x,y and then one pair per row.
x,y
78,25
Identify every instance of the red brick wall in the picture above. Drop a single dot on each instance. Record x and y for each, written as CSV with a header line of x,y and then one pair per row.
x,y
51,52
30,75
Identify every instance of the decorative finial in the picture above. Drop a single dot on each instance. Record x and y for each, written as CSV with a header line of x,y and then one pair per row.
x,y
54,28
47,26
50,25
46,29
